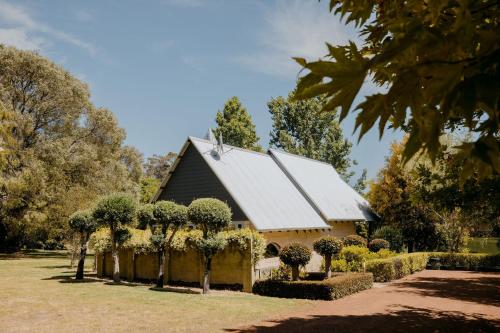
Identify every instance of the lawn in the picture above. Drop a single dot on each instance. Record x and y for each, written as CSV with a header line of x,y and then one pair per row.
x,y
38,293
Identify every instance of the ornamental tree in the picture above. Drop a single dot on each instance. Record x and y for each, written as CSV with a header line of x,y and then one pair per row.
x,y
84,224
378,244
115,211
328,247
211,216
167,217
295,255
355,240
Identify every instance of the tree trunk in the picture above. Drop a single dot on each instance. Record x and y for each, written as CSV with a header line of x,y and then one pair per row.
x,y
328,265
295,273
116,258
83,253
161,267
206,277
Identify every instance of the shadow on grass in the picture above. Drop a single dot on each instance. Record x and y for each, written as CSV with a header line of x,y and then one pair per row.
x,y
33,254
88,278
176,290
123,283
479,287
401,319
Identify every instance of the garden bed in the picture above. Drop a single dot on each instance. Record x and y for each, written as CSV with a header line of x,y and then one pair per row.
x,y
338,286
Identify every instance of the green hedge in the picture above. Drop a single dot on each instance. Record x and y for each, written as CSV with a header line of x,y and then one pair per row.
x,y
397,267
336,287
467,261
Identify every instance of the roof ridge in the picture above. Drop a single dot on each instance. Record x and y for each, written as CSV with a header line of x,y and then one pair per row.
x,y
230,146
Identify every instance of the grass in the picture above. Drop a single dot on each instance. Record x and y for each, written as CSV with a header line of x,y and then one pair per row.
x,y
489,245
38,293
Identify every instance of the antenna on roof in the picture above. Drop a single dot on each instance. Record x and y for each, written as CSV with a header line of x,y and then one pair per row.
x,y
220,145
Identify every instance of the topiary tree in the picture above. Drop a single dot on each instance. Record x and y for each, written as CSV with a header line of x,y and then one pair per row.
x,y
328,247
378,244
355,240
145,216
295,255
167,217
392,235
84,224
115,211
211,216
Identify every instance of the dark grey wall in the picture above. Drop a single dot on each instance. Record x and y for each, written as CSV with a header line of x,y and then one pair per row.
x,y
193,179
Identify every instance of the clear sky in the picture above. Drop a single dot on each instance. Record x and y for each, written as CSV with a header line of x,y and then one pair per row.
x,y
165,67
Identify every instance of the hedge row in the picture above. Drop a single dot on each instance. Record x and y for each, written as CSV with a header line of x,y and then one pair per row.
x,y
336,287
397,267
467,261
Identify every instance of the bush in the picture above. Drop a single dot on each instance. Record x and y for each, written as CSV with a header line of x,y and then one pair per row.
x,y
392,235
354,240
378,244
295,255
351,258
334,288
361,229
397,267
467,261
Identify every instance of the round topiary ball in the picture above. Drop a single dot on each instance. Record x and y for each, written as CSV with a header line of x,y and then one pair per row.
x,y
328,246
211,215
378,244
355,240
295,255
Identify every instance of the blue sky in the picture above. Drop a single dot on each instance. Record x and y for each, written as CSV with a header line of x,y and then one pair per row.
x,y
165,67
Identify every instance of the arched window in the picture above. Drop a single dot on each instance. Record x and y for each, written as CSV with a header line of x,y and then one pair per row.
x,y
272,250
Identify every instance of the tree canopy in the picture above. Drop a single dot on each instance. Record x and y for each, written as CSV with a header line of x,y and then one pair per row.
x,y
299,127
438,62
58,152
236,126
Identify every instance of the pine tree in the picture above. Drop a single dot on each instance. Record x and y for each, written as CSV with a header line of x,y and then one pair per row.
x,y
236,126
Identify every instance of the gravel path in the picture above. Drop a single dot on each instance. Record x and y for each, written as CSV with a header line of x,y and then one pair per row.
x,y
428,301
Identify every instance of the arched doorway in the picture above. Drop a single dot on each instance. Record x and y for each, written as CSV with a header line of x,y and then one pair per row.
x,y
272,250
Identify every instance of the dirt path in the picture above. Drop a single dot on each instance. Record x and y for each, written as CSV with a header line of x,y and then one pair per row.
x,y
429,301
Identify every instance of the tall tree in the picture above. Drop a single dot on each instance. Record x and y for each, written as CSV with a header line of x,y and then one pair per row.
x,y
236,126
440,61
59,152
300,128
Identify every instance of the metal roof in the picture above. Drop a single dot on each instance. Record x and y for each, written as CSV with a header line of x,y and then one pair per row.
x,y
324,188
259,186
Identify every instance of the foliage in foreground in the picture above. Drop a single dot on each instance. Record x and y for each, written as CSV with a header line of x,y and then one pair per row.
x,y
440,63
333,288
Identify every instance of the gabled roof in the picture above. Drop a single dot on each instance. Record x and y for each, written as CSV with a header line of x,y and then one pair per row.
x,y
260,187
325,189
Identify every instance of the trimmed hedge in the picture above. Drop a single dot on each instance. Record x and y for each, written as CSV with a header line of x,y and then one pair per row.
x,y
467,261
334,288
397,267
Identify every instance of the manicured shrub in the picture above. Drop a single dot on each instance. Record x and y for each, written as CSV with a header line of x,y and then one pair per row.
x,y
328,247
145,216
397,267
115,211
355,240
392,235
378,244
333,288
295,255
361,229
211,216
467,261
84,224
